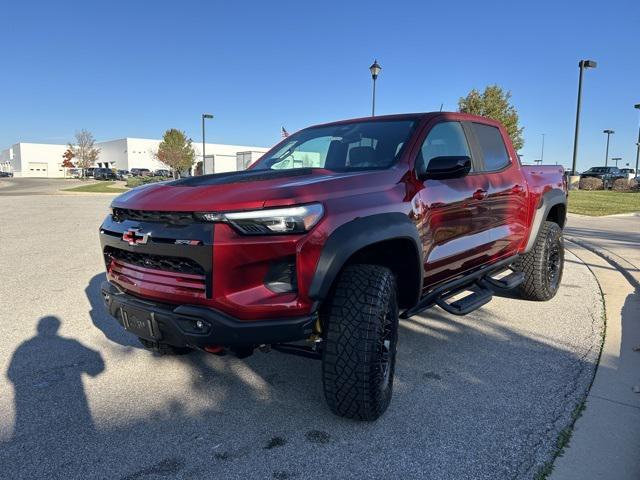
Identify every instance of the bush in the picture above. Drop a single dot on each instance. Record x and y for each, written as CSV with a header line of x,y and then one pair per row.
x,y
621,185
591,184
634,185
137,181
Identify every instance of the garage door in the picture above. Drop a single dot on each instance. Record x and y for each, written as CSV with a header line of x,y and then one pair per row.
x,y
38,169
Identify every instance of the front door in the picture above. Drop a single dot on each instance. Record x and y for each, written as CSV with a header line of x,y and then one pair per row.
x,y
453,214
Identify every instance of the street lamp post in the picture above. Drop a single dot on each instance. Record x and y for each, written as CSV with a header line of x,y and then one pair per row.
x,y
375,70
637,105
204,116
542,151
582,64
606,154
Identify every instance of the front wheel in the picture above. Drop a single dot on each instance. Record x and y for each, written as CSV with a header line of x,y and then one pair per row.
x,y
359,354
543,265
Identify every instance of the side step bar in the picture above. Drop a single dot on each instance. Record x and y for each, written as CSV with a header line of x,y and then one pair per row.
x,y
482,287
509,282
466,304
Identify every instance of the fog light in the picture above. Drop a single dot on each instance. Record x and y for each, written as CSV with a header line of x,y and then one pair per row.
x,y
200,324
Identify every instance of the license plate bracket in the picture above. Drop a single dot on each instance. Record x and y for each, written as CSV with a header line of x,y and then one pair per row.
x,y
140,322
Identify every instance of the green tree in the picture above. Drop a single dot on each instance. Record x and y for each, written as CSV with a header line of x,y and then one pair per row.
x,y
494,103
176,151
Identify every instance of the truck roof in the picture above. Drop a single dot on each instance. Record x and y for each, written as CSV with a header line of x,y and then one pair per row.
x,y
407,116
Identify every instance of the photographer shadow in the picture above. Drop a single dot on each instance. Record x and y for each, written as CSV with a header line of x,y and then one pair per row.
x,y
46,372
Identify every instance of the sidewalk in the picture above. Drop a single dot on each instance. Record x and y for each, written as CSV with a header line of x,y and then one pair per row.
x,y
606,438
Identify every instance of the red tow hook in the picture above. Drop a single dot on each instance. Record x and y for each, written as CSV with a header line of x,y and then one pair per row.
x,y
214,349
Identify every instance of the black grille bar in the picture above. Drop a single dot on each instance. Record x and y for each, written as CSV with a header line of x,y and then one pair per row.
x,y
157,262
178,218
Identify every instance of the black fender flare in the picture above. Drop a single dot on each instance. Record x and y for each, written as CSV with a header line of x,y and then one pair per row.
x,y
351,237
549,199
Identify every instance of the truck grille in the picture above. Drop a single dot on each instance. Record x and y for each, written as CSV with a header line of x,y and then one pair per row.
x,y
156,262
179,218
153,276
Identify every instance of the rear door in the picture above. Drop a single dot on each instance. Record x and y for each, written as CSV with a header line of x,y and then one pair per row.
x,y
452,213
506,192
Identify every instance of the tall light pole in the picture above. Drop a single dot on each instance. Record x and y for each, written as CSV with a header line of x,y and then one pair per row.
x,y
204,116
582,64
542,152
606,154
375,70
616,159
637,105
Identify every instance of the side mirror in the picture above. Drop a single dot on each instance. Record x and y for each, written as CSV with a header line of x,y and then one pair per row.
x,y
441,168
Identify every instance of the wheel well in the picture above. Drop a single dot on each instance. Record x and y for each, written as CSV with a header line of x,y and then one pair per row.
x,y
401,257
558,214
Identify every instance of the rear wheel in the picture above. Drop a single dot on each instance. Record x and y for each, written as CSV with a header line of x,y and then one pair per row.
x,y
359,352
543,265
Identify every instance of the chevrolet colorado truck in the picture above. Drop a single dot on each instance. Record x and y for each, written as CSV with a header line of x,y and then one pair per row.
x,y
333,235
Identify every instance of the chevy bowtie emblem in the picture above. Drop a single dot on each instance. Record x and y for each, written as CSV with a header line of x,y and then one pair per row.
x,y
135,237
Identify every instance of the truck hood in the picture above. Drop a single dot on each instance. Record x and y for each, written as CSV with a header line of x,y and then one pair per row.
x,y
252,189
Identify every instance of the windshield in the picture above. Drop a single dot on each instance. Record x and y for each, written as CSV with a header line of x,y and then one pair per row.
x,y
600,169
351,146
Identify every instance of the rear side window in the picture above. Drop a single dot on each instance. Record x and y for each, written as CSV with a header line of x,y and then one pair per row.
x,y
445,139
494,151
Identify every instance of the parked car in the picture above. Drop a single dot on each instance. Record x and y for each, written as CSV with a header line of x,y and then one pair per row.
x,y
6,174
162,173
88,172
74,173
122,174
104,174
140,172
607,174
384,221
629,172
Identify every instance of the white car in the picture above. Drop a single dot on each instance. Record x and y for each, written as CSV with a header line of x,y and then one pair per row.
x,y
629,172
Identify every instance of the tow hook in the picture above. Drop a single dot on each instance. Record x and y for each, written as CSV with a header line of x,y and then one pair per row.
x,y
215,349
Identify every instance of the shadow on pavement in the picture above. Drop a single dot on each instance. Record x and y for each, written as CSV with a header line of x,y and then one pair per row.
x,y
101,318
46,372
492,413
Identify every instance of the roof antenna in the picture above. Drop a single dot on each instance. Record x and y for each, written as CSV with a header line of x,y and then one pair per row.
x,y
441,105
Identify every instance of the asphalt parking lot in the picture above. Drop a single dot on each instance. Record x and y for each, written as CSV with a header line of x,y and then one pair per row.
x,y
483,396
36,186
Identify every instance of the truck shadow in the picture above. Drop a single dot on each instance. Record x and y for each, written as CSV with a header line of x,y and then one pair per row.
x,y
101,319
265,416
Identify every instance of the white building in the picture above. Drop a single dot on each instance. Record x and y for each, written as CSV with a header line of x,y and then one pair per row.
x,y
33,160
45,160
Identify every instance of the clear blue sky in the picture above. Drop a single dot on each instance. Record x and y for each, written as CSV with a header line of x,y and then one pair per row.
x,y
137,68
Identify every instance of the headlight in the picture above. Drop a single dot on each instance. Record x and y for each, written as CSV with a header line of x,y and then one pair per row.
x,y
298,219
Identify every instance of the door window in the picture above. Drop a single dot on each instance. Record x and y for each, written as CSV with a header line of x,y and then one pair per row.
x,y
494,152
445,139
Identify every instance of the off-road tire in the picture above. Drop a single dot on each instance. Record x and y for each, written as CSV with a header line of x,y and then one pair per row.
x,y
361,334
541,282
163,348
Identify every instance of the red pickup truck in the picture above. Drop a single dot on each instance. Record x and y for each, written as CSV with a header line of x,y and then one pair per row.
x,y
333,235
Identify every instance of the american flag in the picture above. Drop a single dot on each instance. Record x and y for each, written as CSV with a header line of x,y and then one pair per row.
x,y
283,132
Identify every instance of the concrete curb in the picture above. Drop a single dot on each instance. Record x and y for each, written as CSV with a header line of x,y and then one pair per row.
x,y
66,192
605,441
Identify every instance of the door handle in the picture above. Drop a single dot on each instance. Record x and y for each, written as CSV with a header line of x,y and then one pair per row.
x,y
480,194
517,189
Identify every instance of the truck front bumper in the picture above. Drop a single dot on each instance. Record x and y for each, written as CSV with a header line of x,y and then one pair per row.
x,y
196,326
